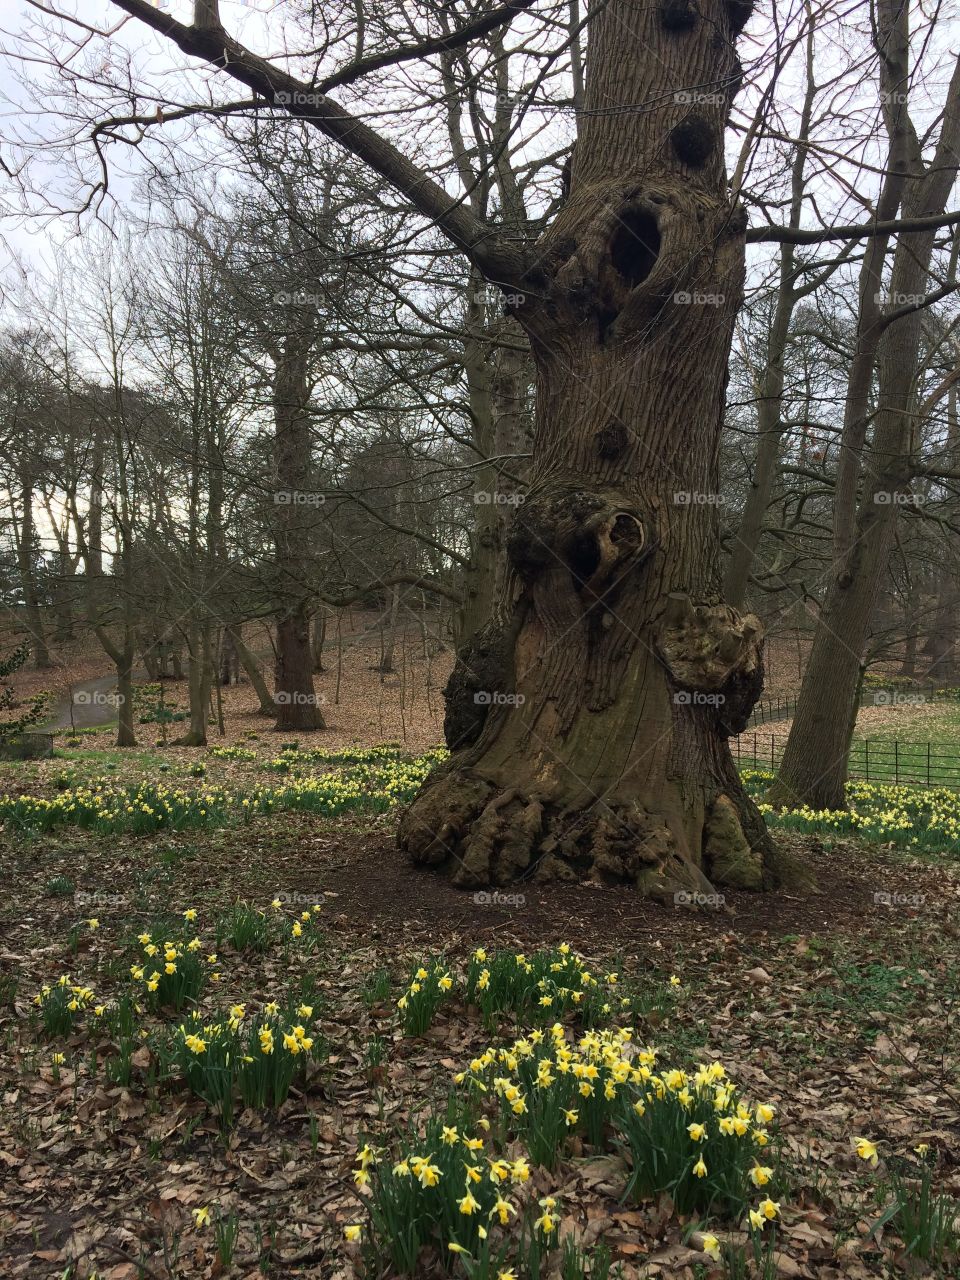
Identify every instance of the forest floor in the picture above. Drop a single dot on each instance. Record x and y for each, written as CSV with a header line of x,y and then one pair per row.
x,y
837,1008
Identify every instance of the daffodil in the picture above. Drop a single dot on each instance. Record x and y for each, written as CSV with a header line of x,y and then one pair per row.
x,y
468,1205
352,1232
866,1150
711,1247
503,1209
429,1175
201,1216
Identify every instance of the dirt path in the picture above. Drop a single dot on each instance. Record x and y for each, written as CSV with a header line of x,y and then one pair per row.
x,y
94,704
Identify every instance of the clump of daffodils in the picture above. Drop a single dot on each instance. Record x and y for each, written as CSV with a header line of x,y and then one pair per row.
x,y
430,985
691,1134
538,988
448,1185
174,967
61,1004
255,1056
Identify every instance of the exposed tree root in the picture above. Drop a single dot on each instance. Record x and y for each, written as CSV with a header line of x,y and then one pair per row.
x,y
482,835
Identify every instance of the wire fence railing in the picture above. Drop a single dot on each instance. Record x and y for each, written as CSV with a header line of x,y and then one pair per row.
x,y
882,760
772,710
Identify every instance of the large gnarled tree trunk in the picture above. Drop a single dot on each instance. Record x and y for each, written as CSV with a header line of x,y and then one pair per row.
x,y
596,702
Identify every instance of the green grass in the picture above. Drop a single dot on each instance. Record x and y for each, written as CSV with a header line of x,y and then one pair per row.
x,y
110,806
927,747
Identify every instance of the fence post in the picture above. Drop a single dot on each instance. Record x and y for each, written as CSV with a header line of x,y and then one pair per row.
x,y
896,762
866,757
772,740
928,763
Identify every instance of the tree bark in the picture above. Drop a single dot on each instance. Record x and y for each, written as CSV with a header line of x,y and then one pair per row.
x,y
249,663
199,680
770,403
498,381
319,638
591,713
814,766
126,736
296,700
390,637
908,667
28,578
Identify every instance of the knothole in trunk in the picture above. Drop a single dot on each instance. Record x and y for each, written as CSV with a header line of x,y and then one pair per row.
x,y
635,246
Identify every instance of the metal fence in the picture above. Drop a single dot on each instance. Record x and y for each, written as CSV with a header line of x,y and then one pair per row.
x,y
770,710
871,759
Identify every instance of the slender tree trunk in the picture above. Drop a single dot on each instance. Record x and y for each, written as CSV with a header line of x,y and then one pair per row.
x,y
28,579
249,663
814,766
297,704
941,644
908,667
296,700
498,379
229,666
319,638
592,713
126,736
199,681
770,407
390,638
